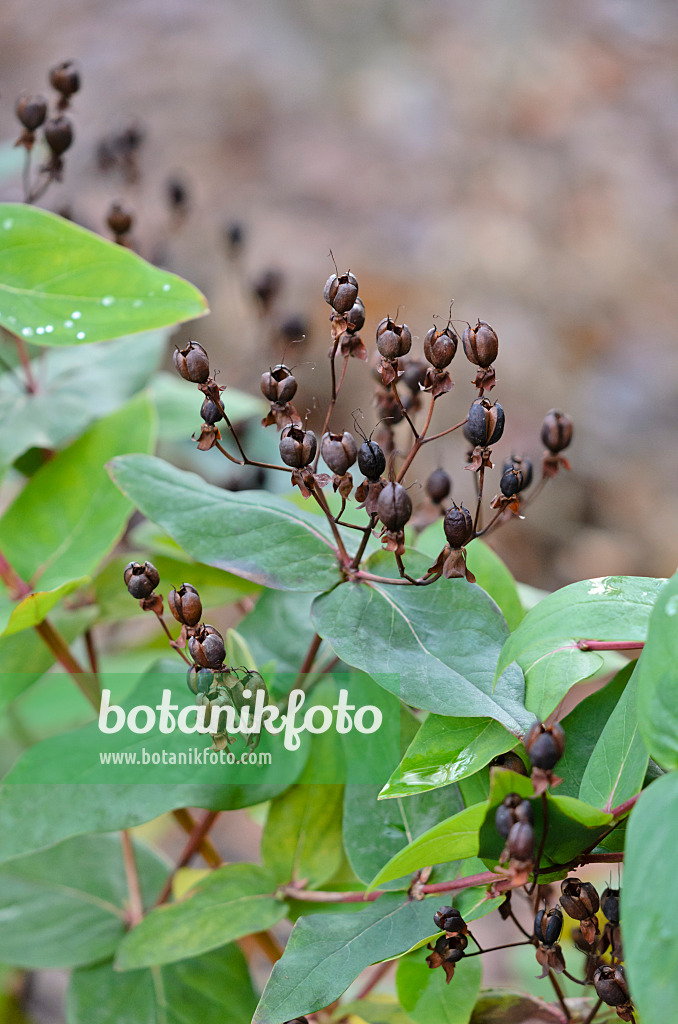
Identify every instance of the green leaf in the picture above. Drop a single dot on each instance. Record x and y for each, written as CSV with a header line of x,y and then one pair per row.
x,y
325,953
502,1007
59,787
63,285
279,629
69,515
658,680
617,766
379,1009
545,643
75,390
178,405
249,533
31,610
442,640
302,835
583,727
490,571
453,839
231,902
66,906
446,750
426,997
649,903
212,989
574,826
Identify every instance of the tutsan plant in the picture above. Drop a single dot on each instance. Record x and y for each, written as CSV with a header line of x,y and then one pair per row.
x,y
468,792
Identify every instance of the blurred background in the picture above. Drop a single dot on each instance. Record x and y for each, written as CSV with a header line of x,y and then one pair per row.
x,y
518,158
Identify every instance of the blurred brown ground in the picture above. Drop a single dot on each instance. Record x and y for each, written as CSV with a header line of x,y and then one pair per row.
x,y
520,158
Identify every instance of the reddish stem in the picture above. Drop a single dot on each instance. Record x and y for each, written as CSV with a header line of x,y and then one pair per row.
x,y
610,645
194,843
378,973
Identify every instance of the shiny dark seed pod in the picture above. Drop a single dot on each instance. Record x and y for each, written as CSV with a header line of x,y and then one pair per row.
x,y
58,134
556,431
192,362
185,604
119,219
210,412
297,446
458,526
610,985
141,580
485,423
449,920
440,347
339,451
451,949
578,899
355,317
481,344
371,460
414,374
393,340
521,465
207,647
609,902
505,815
512,482
525,812
31,111
279,384
438,485
199,680
545,746
520,841
394,506
341,291
65,78
510,761
548,926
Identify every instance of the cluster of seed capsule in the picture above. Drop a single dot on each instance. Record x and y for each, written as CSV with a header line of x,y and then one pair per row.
x,y
57,129
384,498
208,677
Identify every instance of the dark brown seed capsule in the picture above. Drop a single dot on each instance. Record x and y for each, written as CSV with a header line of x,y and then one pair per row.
x,y
394,506
485,423
556,431
371,460
393,340
339,451
199,680
210,412
119,219
505,815
545,745
610,985
297,446
578,899
521,468
548,926
341,291
185,604
207,647
520,841
31,111
192,362
481,344
609,902
58,134
448,919
64,78
279,385
458,526
438,485
141,580
440,347
355,317
414,375
510,761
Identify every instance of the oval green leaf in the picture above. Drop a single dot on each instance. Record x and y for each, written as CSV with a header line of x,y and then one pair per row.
x,y
63,285
658,680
